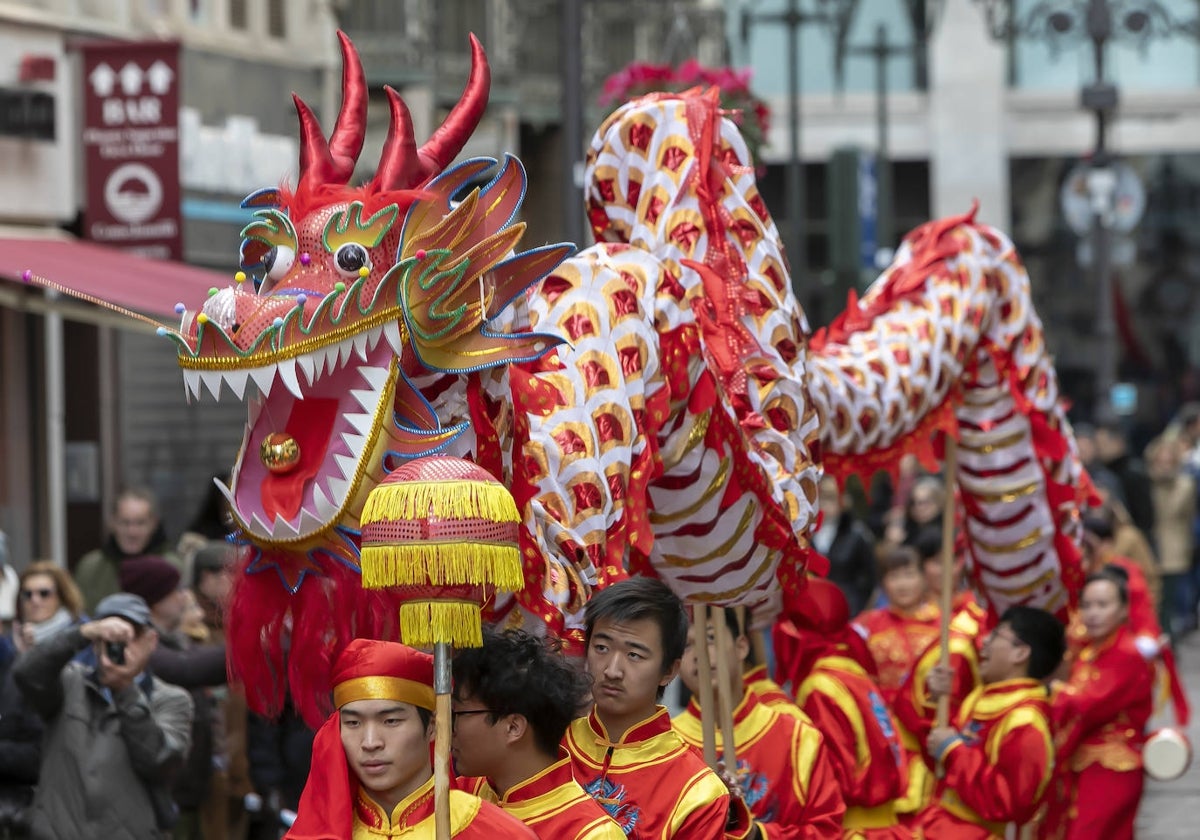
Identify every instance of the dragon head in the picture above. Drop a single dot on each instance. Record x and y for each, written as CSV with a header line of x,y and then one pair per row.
x,y
345,294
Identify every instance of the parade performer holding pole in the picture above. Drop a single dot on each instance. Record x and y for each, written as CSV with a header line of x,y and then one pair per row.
x,y
782,763
371,776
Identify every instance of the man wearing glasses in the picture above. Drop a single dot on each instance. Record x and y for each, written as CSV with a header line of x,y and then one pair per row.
x,y
998,759
513,701
372,774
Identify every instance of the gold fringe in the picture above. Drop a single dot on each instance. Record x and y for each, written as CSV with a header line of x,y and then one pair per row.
x,y
442,564
441,499
426,623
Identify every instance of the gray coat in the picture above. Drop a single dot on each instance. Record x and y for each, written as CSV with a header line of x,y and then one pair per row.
x,y
107,759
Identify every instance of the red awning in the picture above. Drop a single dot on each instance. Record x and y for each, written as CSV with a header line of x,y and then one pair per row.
x,y
152,287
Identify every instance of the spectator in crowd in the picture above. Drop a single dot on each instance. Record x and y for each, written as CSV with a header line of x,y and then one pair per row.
x,y
115,733
1103,478
1174,515
212,523
223,813
196,668
1112,446
280,754
848,545
924,510
1188,425
134,531
49,603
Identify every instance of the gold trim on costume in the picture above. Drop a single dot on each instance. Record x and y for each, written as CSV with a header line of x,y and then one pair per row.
x,y
383,688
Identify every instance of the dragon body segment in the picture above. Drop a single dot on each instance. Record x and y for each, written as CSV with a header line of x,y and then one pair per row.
x,y
652,401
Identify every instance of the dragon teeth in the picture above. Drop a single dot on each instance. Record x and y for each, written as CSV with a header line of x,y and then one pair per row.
x,y
391,331
347,464
237,382
212,381
287,375
191,384
376,377
263,377
307,365
361,422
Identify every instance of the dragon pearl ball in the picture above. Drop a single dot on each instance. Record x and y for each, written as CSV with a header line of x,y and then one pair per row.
x,y
279,452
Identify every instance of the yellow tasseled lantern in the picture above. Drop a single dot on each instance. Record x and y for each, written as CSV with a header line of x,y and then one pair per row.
x,y
445,532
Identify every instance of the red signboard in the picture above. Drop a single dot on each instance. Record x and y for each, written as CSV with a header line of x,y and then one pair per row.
x,y
131,146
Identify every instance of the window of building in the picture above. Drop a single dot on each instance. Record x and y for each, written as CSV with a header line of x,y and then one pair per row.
x,y
277,18
239,15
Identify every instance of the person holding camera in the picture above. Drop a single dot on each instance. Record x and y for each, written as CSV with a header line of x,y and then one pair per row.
x,y
114,732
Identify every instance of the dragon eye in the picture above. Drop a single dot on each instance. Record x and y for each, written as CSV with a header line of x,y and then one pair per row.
x,y
350,258
278,261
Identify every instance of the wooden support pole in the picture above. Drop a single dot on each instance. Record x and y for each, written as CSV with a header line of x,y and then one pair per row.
x,y
708,709
726,699
441,745
950,470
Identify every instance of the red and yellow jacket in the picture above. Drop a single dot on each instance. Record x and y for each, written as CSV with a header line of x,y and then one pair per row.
x,y
1100,715
896,639
649,781
862,744
470,818
769,692
913,707
782,767
554,805
997,771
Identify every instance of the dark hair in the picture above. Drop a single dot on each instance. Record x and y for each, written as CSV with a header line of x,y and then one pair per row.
x,y
515,673
1115,575
140,494
638,598
1044,635
1188,414
898,557
1099,522
927,542
734,621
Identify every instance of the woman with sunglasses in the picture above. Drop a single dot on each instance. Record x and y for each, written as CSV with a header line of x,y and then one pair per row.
x,y
1100,718
48,602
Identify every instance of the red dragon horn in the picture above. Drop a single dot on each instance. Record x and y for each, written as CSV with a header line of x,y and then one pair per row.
x,y
453,134
316,164
402,165
399,168
346,142
332,162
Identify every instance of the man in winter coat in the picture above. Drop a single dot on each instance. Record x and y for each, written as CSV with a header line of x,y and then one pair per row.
x,y
114,732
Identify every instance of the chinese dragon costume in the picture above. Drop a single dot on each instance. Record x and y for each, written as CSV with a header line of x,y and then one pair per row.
x,y
655,402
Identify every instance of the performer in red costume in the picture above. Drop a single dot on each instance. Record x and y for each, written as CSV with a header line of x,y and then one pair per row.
x,y
1100,720
896,635
998,758
782,763
624,752
513,701
915,704
371,775
821,654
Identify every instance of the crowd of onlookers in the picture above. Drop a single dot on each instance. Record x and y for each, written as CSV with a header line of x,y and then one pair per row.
x,y
129,647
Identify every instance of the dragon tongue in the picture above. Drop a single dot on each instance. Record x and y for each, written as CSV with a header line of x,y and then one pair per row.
x,y
310,423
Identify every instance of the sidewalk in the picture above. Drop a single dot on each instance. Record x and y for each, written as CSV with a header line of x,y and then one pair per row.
x,y
1171,810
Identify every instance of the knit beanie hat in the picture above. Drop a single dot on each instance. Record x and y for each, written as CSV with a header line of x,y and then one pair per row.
x,y
149,576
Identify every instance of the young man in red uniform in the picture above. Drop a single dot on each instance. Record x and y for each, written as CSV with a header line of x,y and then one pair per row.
x,y
624,752
782,766
371,775
998,759
823,658
513,701
896,636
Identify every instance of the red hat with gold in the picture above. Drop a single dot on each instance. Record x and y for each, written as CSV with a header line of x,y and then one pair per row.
x,y
364,670
371,670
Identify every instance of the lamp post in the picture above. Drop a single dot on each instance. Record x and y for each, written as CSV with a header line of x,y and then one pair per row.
x,y
793,17
1097,23
923,14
